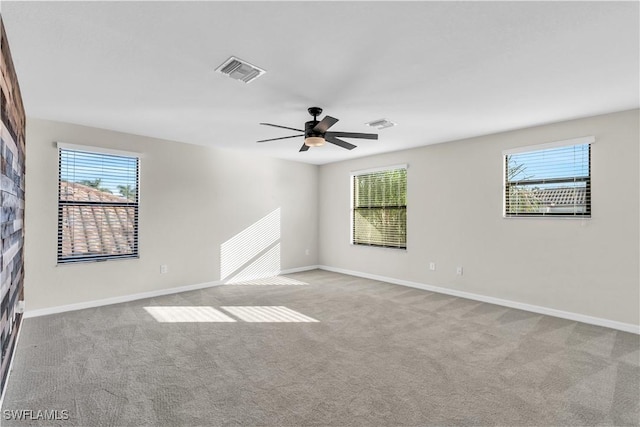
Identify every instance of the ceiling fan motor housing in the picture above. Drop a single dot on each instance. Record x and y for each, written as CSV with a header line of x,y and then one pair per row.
x,y
308,126
308,129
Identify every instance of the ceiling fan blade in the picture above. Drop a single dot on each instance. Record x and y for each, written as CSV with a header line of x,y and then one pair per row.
x,y
283,127
325,124
339,142
304,147
275,139
353,135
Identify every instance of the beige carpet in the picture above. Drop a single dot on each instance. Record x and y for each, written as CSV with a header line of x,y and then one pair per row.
x,y
320,348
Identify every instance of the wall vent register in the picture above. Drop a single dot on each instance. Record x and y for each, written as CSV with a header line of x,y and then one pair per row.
x,y
240,70
381,124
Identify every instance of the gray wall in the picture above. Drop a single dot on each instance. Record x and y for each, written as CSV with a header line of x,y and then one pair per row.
x,y
589,267
192,200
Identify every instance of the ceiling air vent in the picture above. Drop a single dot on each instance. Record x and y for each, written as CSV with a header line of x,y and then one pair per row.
x,y
381,124
241,70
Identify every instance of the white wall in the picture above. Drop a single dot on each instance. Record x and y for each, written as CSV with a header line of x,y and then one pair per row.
x,y
192,199
589,267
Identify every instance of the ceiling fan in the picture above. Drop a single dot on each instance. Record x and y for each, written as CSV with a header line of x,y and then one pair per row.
x,y
315,132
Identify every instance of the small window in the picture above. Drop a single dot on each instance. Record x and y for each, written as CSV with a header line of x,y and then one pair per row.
x,y
379,208
551,180
97,205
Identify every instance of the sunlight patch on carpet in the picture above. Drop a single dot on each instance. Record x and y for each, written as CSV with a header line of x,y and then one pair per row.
x,y
267,314
187,314
270,281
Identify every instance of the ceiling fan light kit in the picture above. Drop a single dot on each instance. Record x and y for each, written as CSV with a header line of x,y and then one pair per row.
x,y
314,141
316,132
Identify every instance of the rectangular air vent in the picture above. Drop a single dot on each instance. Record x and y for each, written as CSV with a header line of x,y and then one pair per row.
x,y
241,70
381,124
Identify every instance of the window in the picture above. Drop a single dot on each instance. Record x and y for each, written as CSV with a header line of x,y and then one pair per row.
x,y
97,204
379,207
549,180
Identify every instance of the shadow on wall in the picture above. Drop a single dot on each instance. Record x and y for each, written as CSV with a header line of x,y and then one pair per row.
x,y
254,253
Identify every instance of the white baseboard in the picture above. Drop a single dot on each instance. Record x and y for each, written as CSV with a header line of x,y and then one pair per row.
x,y
626,327
142,295
299,269
116,300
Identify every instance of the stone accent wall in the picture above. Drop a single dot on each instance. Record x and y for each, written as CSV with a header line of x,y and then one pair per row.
x,y
12,162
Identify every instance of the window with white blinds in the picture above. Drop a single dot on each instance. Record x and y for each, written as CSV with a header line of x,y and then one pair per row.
x,y
552,180
97,205
379,208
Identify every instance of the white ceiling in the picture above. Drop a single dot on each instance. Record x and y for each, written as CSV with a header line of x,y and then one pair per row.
x,y
442,70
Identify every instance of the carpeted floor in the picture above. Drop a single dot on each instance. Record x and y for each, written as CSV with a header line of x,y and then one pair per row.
x,y
337,351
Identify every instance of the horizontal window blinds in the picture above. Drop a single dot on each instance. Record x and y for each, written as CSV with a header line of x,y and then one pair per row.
x,y
97,206
380,208
549,182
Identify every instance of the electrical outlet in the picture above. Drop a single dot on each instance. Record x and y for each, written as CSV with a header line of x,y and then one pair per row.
x,y
459,271
307,252
432,266
164,269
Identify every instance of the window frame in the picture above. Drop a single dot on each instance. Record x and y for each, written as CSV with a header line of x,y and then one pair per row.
x,y
353,209
135,254
586,140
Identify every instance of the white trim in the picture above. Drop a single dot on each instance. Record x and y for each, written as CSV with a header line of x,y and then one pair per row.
x,y
352,193
626,327
138,296
379,169
504,185
232,280
299,269
116,300
555,144
93,149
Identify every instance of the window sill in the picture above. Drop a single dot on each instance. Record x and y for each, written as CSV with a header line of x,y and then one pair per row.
x,y
392,248
563,217
96,261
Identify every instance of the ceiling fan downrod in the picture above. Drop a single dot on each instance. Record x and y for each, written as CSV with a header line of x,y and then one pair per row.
x,y
315,112
309,131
